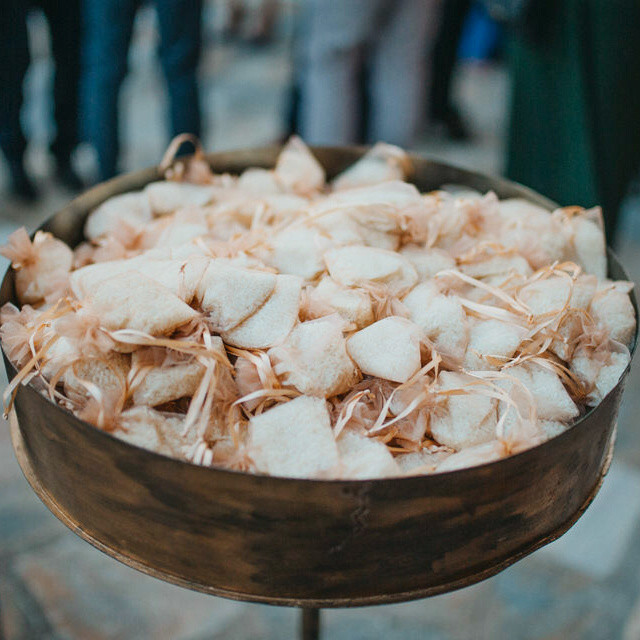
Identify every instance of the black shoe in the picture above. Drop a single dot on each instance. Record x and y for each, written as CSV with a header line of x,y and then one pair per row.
x,y
453,125
21,186
68,178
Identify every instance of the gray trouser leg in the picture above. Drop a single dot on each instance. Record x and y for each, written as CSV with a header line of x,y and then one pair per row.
x,y
331,53
399,70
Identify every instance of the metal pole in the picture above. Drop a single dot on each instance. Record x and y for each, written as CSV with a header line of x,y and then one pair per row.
x,y
310,624
2,636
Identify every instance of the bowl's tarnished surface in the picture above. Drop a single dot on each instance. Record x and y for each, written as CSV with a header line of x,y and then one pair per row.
x,y
305,542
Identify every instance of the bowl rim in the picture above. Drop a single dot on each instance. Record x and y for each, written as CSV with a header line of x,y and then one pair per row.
x,y
150,172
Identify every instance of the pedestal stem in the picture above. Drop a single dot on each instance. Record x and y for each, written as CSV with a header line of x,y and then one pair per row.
x,y
310,626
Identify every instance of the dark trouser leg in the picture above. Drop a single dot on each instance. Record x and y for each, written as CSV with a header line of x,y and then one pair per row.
x,y
13,66
65,28
397,99
108,25
445,55
180,45
331,56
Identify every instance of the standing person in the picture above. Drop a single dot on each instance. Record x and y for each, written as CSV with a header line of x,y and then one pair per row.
x,y
108,30
388,38
64,26
573,136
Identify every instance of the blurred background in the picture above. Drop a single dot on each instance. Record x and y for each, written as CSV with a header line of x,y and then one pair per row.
x,y
543,91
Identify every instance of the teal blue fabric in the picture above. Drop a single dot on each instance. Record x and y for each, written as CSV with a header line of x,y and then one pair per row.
x,y
574,133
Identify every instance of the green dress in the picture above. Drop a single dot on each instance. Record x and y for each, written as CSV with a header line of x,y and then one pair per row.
x,y
574,133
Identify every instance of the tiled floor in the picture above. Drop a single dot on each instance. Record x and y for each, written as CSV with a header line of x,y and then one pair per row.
x,y
586,586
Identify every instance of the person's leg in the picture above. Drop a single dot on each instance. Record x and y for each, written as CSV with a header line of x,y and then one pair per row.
x,y
292,97
442,64
399,70
65,28
108,25
180,45
13,66
335,34
445,55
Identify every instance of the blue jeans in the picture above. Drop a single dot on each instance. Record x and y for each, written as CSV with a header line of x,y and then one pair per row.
x,y
107,34
64,26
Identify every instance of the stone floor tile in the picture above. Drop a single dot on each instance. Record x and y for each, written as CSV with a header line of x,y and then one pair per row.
x,y
632,625
25,523
9,468
597,543
86,594
257,622
21,616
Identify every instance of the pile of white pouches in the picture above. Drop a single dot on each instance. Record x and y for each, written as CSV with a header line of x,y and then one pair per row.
x,y
279,323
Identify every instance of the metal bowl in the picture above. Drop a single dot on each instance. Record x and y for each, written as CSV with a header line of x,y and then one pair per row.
x,y
311,543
